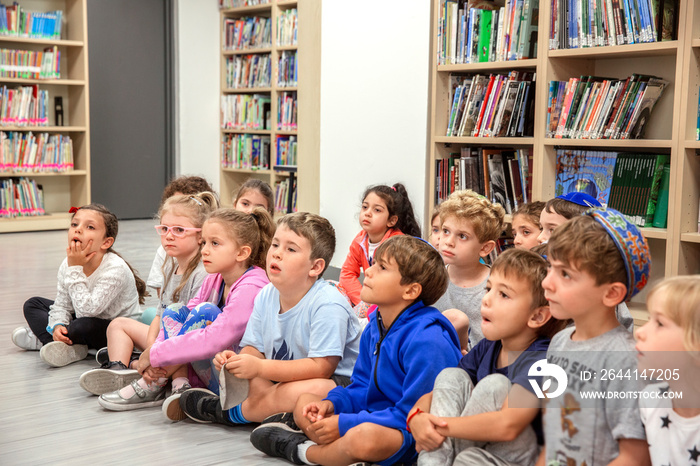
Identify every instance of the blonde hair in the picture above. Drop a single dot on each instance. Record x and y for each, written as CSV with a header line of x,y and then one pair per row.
x,y
418,262
485,217
317,230
681,303
196,208
254,230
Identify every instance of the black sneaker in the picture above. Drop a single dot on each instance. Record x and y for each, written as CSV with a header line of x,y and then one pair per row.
x,y
202,405
282,419
102,357
278,441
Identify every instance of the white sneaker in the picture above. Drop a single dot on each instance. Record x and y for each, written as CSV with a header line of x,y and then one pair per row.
x,y
25,339
101,381
59,354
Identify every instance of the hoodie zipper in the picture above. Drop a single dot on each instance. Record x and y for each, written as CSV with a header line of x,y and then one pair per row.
x,y
378,345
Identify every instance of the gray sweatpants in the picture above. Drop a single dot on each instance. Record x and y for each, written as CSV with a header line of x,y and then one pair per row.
x,y
455,395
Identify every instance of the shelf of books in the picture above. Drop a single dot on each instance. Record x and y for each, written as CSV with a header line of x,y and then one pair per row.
x,y
262,98
44,122
686,207
610,110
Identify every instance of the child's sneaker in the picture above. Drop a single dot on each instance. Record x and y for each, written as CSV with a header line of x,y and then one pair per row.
x,y
277,441
59,354
140,399
102,356
25,339
284,420
111,377
202,405
171,407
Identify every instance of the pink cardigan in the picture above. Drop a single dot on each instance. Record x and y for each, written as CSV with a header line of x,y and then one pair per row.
x,y
356,261
224,333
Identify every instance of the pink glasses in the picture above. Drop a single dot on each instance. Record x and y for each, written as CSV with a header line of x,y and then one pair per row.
x,y
176,231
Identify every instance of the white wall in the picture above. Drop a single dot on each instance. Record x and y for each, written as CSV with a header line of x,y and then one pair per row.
x,y
374,101
197,89
374,106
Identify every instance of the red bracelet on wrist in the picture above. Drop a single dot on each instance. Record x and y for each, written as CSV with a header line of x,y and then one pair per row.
x,y
417,411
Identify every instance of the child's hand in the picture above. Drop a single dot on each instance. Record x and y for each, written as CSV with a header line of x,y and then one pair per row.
x,y
60,333
221,358
151,374
79,255
244,366
423,429
326,430
317,410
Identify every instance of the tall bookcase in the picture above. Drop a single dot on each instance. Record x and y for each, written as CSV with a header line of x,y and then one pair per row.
x,y
670,130
307,92
72,188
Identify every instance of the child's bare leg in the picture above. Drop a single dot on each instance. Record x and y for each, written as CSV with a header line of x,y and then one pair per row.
x,y
266,398
460,322
123,334
365,442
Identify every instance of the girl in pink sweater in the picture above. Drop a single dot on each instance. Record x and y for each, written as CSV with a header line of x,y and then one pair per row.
x,y
234,247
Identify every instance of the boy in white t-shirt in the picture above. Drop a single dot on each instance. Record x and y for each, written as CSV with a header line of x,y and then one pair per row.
x,y
302,337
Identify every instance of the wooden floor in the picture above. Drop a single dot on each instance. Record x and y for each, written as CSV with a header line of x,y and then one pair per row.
x,y
46,418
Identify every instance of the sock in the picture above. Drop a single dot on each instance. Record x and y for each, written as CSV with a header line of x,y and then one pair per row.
x,y
178,382
235,415
301,451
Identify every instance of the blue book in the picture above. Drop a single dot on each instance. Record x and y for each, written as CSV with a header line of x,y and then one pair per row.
x,y
585,171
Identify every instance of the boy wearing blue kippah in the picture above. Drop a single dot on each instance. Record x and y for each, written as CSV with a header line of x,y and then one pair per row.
x,y
558,211
597,260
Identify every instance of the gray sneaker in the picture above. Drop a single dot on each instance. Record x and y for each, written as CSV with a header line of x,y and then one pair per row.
x,y
171,407
24,338
141,399
106,380
59,354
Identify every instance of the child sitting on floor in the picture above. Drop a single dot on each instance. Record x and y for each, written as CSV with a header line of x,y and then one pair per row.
x,y
485,410
301,337
404,346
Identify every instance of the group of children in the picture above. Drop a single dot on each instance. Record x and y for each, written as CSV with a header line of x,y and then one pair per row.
x,y
459,362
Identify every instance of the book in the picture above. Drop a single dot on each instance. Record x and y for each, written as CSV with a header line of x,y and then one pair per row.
x,y
484,35
661,213
497,178
585,171
661,164
637,124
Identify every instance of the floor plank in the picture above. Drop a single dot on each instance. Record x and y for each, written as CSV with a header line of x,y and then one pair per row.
x,y
45,417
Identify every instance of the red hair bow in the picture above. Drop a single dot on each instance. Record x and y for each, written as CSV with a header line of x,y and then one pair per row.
x,y
73,210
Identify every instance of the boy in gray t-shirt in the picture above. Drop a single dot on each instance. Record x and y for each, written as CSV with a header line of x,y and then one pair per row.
x,y
596,261
470,226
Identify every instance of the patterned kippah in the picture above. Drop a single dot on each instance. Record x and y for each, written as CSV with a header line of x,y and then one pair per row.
x,y
631,244
581,199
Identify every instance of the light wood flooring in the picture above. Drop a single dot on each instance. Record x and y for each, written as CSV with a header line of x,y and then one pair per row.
x,y
46,418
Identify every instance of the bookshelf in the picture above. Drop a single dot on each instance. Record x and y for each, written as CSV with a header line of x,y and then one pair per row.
x,y
69,188
670,130
304,94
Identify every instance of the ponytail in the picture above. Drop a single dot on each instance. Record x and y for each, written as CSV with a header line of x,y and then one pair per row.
x,y
266,227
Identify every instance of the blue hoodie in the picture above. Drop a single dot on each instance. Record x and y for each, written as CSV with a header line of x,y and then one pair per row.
x,y
396,367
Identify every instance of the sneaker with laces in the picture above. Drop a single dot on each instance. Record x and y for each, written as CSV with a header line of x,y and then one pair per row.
x,y
278,441
110,377
282,419
140,399
24,338
171,407
202,405
59,354
102,356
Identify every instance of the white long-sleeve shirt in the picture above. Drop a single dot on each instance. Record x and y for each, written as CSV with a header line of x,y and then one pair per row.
x,y
108,293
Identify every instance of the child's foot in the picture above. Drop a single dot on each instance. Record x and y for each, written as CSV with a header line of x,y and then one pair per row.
x,y
140,398
102,356
280,420
171,407
59,354
202,405
112,376
279,441
25,339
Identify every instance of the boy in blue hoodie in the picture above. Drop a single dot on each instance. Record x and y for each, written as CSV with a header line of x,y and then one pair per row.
x,y
403,348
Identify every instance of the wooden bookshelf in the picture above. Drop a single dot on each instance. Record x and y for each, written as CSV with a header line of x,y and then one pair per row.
x,y
72,188
308,101
670,130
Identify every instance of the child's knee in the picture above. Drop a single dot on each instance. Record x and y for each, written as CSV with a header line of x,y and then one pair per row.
x,y
453,378
458,319
496,386
361,441
206,311
175,312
